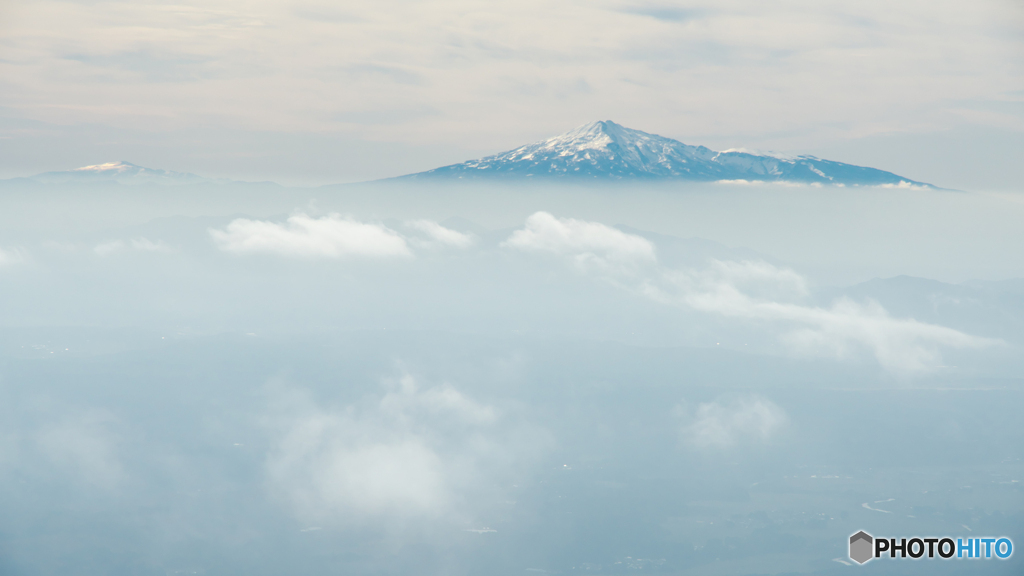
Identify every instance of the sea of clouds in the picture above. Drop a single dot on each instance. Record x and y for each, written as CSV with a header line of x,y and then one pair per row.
x,y
365,384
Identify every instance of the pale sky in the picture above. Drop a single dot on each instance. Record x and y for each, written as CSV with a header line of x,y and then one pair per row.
x,y
315,92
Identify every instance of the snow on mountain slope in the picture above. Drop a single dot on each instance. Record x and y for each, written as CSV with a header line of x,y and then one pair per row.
x,y
120,172
606,150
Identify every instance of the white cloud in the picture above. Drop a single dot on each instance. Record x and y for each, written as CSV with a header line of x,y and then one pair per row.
x,y
410,453
719,424
328,462
328,237
589,244
133,245
751,290
438,235
757,279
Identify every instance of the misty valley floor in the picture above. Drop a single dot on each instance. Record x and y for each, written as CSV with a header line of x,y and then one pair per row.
x,y
154,454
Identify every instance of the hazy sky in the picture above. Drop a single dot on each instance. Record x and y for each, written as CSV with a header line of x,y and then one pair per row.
x,y
315,92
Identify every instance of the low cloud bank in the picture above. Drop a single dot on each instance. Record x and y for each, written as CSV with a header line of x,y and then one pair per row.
x,y
333,236
750,290
591,245
328,237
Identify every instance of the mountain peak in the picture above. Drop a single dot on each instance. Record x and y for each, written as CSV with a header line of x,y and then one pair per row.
x,y
596,129
604,150
596,135
118,165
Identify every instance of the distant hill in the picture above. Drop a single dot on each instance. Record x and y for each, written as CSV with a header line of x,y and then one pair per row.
x,y
608,151
120,172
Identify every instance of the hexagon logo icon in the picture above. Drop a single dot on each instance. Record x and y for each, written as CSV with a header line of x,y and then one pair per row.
x,y
861,545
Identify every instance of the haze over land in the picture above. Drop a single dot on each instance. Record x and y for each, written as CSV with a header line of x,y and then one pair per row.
x,y
456,377
583,359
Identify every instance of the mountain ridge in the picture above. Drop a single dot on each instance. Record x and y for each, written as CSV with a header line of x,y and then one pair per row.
x,y
604,150
600,151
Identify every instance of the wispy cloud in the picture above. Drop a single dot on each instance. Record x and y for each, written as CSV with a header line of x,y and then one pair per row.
x,y
439,236
664,12
395,74
151,65
760,291
750,290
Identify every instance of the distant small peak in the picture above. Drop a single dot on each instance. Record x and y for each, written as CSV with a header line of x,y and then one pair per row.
x,y
119,165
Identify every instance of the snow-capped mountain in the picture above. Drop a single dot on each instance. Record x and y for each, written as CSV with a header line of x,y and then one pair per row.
x,y
120,172
608,151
